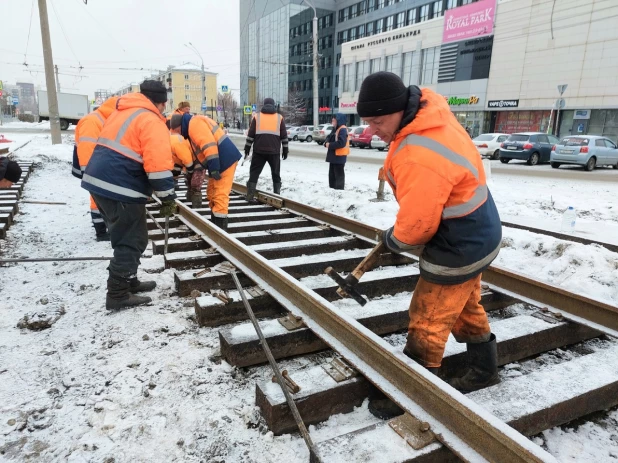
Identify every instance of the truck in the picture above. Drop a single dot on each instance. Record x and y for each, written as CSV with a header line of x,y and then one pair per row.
x,y
71,108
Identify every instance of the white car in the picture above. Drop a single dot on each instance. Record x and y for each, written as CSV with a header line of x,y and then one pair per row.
x,y
488,144
378,143
293,133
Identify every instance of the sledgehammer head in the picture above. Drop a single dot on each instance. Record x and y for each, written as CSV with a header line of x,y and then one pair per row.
x,y
347,286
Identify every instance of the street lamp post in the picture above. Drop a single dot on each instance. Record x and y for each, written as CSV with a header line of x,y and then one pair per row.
x,y
316,110
190,46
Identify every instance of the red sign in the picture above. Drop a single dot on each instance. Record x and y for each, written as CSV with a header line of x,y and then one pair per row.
x,y
324,109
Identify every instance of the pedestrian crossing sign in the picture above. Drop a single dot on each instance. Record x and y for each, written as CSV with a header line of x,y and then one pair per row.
x,y
247,109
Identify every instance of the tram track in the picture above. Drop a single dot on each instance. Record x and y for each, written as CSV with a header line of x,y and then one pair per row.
x,y
282,247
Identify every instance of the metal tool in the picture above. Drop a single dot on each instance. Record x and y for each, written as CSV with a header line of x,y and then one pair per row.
x,y
167,229
52,259
227,267
347,285
155,221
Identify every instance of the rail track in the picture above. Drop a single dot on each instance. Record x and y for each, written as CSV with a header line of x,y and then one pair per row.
x,y
9,198
558,349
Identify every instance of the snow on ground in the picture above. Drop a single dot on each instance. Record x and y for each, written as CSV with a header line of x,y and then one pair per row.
x,y
147,384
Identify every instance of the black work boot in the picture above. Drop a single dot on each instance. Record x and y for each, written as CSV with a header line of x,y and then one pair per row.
x,y
220,222
196,199
119,295
482,367
277,188
136,286
251,187
384,408
101,231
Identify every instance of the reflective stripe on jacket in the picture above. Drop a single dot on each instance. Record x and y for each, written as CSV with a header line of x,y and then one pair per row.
x,y
211,145
346,149
267,132
87,132
132,157
439,182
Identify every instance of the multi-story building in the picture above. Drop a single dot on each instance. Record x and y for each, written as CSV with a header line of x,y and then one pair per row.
x,y
130,88
186,82
27,98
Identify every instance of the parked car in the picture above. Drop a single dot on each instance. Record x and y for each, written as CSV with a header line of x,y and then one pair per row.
x,y
378,143
533,147
321,132
305,133
585,150
361,137
488,144
293,133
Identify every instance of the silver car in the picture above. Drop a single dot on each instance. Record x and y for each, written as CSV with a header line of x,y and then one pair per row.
x,y
378,143
293,133
305,133
321,132
588,151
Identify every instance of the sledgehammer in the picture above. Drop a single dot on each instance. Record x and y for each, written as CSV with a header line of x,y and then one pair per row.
x,y
347,285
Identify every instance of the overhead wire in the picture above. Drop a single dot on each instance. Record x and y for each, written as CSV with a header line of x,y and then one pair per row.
x,y
29,29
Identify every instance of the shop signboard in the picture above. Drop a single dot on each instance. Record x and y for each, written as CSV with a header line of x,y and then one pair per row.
x,y
582,114
503,104
469,21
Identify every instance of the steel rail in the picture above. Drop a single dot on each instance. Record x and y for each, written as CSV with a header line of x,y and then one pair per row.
x,y
464,427
580,309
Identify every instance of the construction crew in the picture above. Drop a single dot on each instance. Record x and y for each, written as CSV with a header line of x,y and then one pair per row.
x,y
216,153
132,158
10,172
338,145
446,209
183,158
86,135
269,137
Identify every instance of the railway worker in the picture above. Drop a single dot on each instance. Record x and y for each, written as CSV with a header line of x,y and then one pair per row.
x,y
217,154
10,172
269,137
184,107
338,145
444,206
86,135
183,158
132,158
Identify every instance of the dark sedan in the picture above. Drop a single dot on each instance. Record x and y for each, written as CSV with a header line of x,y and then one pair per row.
x,y
532,147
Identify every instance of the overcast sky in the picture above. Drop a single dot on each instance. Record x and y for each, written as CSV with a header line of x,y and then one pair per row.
x,y
107,35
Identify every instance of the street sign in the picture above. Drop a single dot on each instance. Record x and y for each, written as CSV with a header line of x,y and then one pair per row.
x,y
247,109
15,101
203,107
225,89
1,87
254,107
562,88
560,103
219,108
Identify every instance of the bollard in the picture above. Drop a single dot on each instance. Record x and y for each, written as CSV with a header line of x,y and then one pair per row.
x,y
380,192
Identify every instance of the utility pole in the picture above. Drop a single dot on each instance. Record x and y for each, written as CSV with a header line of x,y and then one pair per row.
x,y
57,79
203,102
316,110
52,97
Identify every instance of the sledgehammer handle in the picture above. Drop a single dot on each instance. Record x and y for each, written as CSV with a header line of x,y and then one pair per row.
x,y
368,262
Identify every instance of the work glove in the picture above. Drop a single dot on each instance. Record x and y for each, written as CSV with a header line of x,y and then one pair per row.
x,y
215,174
284,155
247,151
388,242
168,208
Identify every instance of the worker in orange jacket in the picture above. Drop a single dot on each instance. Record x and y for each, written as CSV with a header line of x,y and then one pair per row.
x,y
131,160
446,210
216,153
184,107
86,135
182,156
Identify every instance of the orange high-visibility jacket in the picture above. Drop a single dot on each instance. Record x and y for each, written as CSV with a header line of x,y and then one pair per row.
x,y
438,179
88,130
181,153
214,150
133,155
346,149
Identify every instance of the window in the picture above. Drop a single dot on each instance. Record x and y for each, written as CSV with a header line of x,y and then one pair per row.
x,y
361,31
327,78
424,13
429,70
352,33
345,36
609,144
186,76
347,78
329,62
543,139
467,2
341,16
374,65
393,64
380,4
186,86
411,17
354,11
337,81
187,98
501,138
369,29
360,73
409,64
336,102
362,6
371,5
338,58
600,143
401,20
438,9
389,23
450,4
379,26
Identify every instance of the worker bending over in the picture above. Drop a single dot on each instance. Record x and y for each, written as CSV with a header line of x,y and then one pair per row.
x,y
444,206
183,159
217,154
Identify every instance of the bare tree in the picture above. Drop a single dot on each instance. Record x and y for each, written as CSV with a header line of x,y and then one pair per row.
x,y
294,110
229,105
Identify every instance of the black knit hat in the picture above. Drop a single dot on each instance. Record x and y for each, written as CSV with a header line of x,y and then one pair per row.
x,y
13,172
381,93
269,101
154,90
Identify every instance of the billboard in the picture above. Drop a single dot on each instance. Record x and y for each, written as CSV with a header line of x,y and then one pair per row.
x,y
469,21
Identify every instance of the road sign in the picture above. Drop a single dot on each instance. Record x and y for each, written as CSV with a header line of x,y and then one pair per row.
x,y
15,101
0,93
560,103
203,107
562,88
247,109
225,89
254,107
1,87
219,108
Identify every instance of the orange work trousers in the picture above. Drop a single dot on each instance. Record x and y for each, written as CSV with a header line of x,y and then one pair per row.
x,y
218,192
437,310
